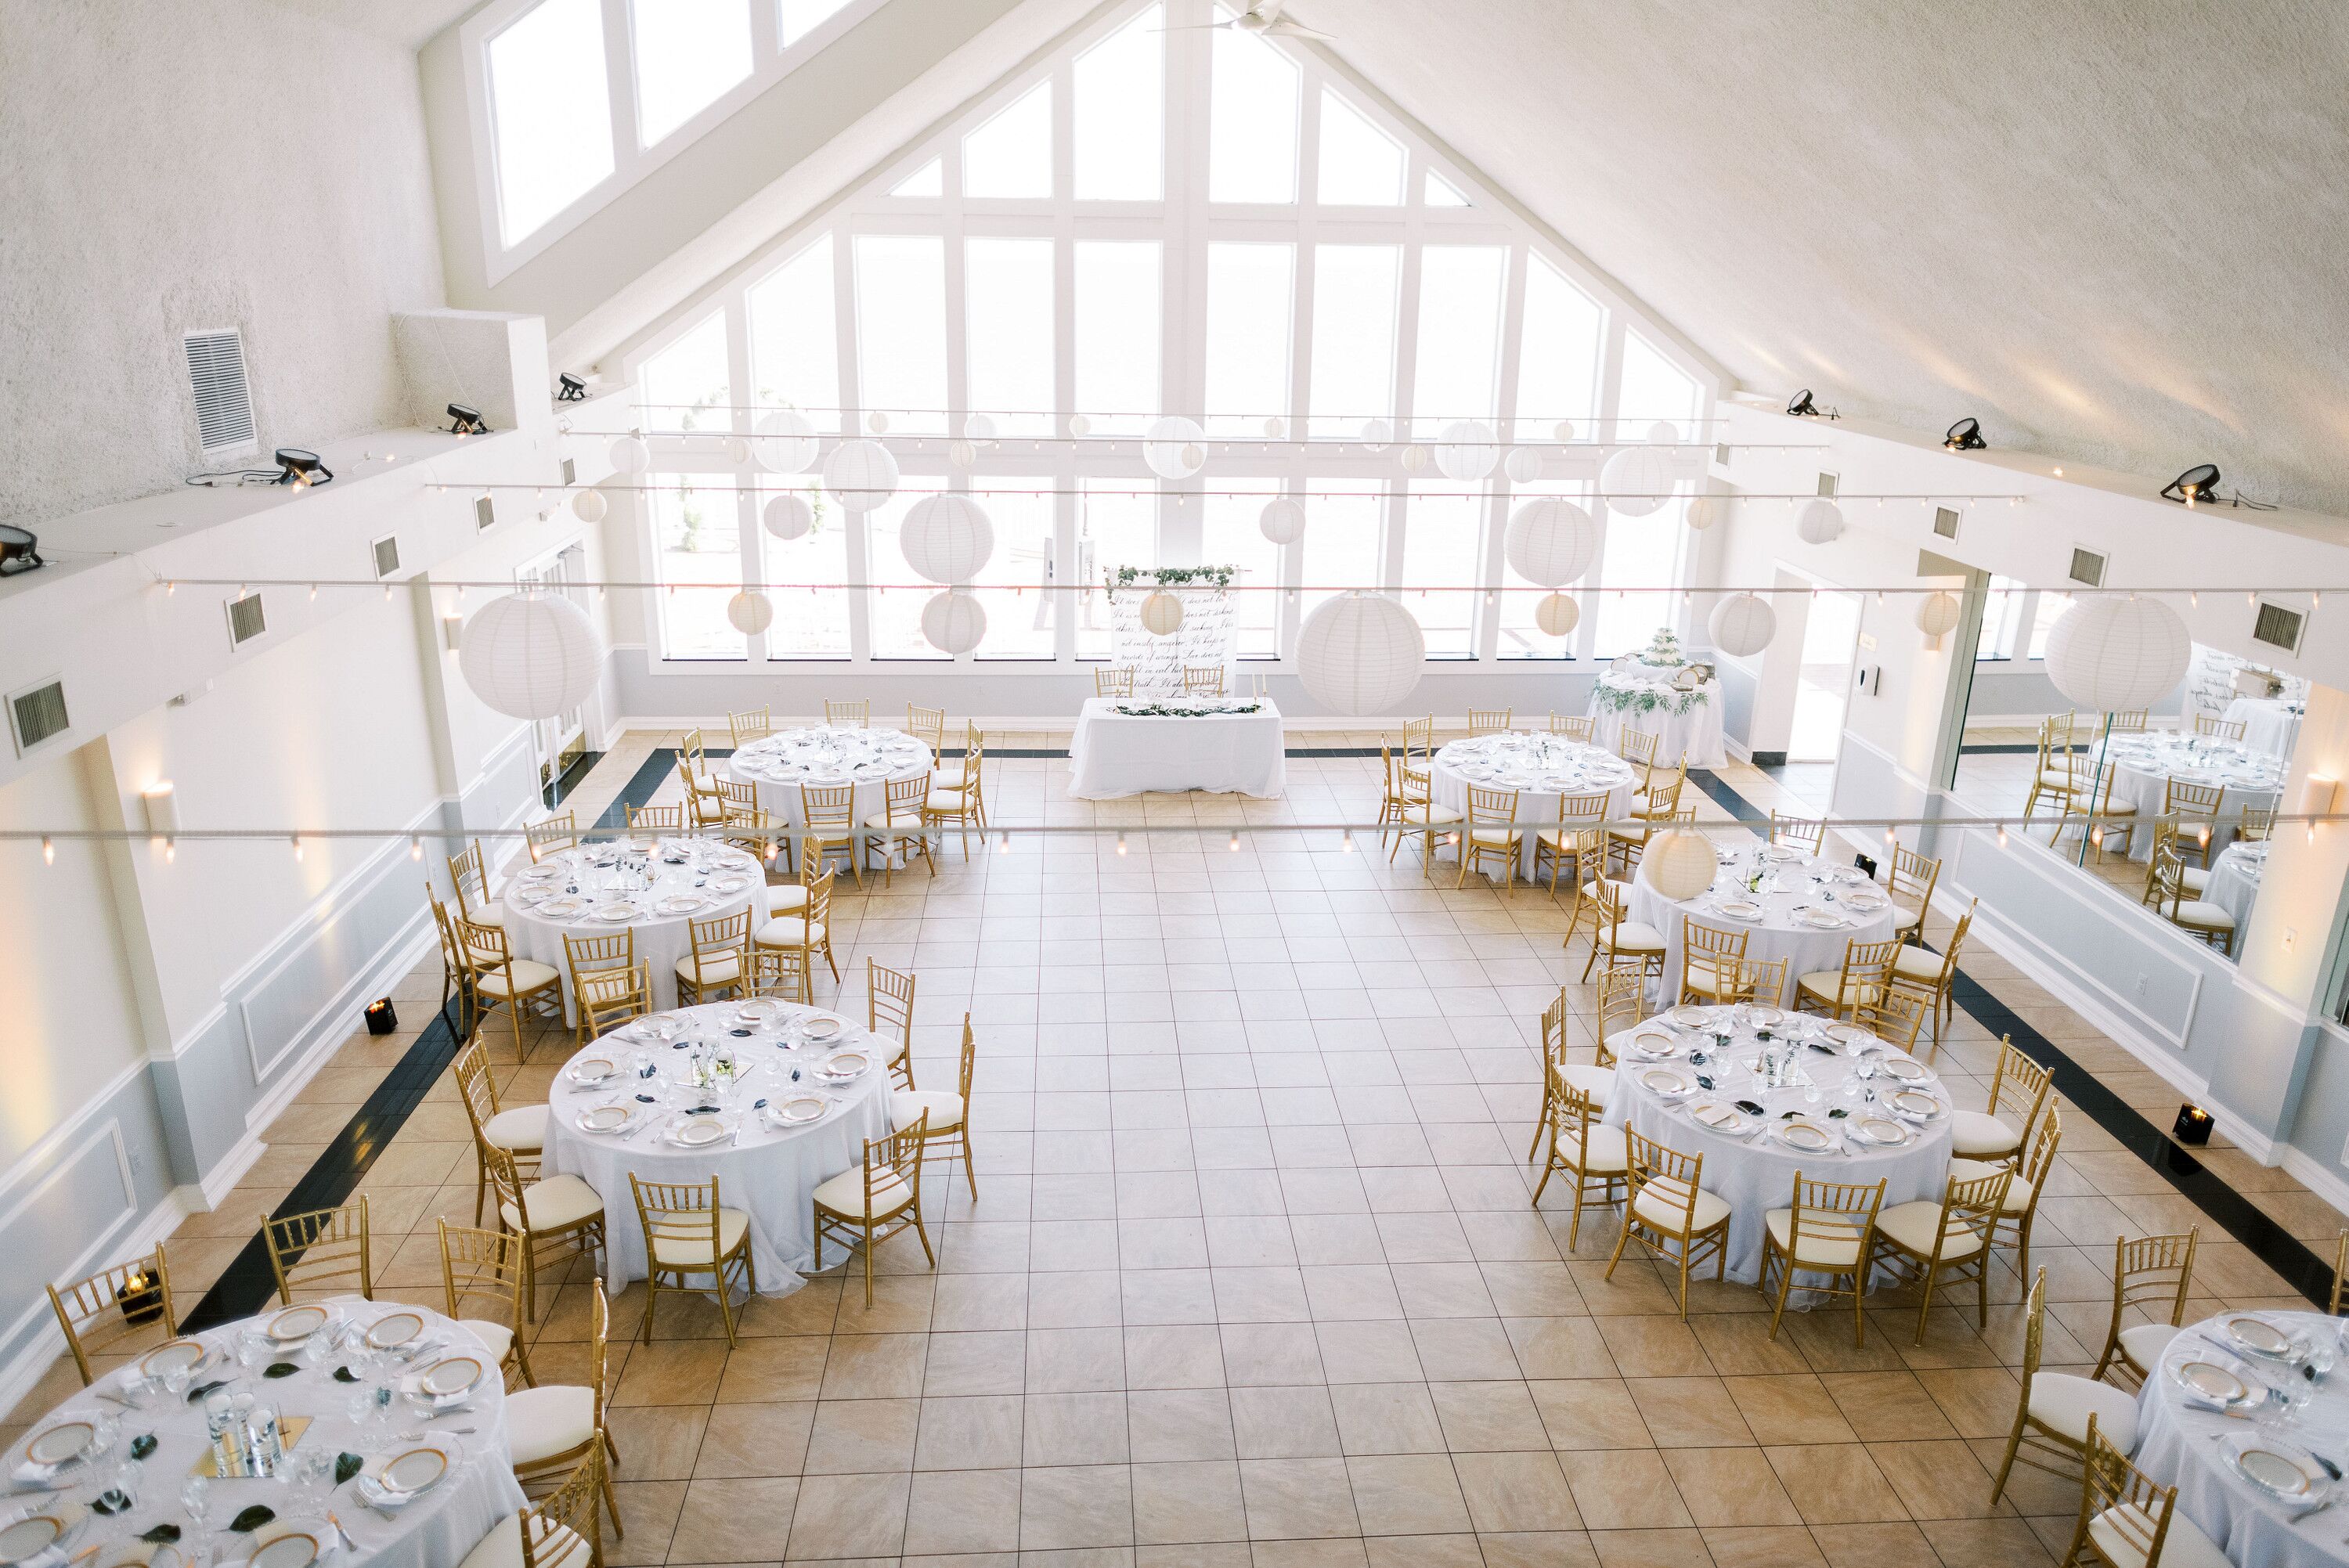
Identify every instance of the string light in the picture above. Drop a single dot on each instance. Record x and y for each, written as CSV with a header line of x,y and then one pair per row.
x,y
1235,845
170,851
49,848
297,846
415,848
1121,843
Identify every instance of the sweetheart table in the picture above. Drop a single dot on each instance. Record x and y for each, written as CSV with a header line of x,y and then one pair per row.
x,y
1138,745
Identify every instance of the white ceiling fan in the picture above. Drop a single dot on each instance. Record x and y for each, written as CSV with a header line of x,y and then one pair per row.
x,y
1263,16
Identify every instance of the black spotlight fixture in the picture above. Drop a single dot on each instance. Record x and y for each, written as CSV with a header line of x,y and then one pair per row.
x,y
19,550
464,421
574,390
2199,482
1965,436
1801,404
298,468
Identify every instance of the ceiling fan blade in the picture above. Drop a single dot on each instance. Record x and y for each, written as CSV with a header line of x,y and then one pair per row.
x,y
1285,29
1195,27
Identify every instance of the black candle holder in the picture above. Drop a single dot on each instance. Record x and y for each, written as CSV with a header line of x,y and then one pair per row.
x,y
140,1297
380,1018
2193,1125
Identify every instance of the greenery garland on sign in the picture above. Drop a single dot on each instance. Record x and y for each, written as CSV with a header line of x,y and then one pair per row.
x,y
1173,576
1624,694
1179,710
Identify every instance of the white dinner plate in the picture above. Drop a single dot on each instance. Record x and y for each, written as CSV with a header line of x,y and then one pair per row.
x,y
2208,1381
730,884
758,1010
1803,1136
448,1377
1847,1034
395,1329
604,1119
297,1323
2279,1469
2260,1338
1916,1105
681,903
413,1472
845,1064
1766,1016
589,1071
34,1534
61,1444
819,1028
1719,1117
1655,1045
1688,1015
1884,1131
171,1357
615,913
1667,1082
799,1108
295,1549
1741,909
697,1132
561,908
663,1026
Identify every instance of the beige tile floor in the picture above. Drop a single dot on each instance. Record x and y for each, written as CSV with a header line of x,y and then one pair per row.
x,y
1252,1280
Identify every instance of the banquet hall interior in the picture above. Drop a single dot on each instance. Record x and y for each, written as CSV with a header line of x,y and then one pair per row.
x,y
1596,746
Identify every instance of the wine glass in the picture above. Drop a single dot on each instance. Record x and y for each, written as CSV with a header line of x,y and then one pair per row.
x,y
196,1502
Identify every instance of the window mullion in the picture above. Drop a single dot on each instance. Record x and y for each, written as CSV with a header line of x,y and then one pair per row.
x,y
750,538
852,423
620,85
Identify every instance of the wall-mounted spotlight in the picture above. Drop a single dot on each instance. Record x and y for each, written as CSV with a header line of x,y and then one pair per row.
x,y
574,389
20,551
298,468
2199,482
1965,436
1801,404
464,421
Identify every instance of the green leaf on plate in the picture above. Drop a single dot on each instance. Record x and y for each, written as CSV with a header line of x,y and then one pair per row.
x,y
347,1466
343,1375
279,1369
142,1445
249,1520
161,1535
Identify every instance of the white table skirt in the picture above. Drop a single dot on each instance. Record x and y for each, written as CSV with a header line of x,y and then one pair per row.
x,y
769,1171
435,1530
2175,1446
1113,755
1757,1174
1776,936
779,765
2145,790
2267,723
1524,761
1695,735
661,940
2235,884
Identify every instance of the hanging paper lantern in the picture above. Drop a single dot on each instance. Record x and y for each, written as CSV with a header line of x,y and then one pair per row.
x,y
1414,460
1556,614
751,612
1079,425
589,505
1175,448
1276,428
954,622
1563,431
1705,512
1664,433
1939,614
1637,480
1551,542
787,443
1359,652
738,451
788,517
860,475
978,428
1741,625
531,655
877,422
1377,435
1819,522
946,538
1282,521
1679,864
1162,613
2105,655
961,453
631,454
1464,451
1523,465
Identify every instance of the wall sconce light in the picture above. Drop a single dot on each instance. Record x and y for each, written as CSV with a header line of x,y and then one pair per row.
x,y
464,421
163,808
452,632
380,1017
1965,436
574,390
2317,794
2193,1126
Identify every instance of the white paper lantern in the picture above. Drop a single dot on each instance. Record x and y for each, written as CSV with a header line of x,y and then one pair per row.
x,y
589,505
961,453
1414,460
1664,433
631,454
2106,654
954,622
1819,522
1743,625
1377,435
1939,614
1175,448
877,422
1359,653
1523,465
786,442
1679,864
1551,542
978,428
1705,512
1637,480
738,451
1079,425
531,655
1276,428
860,475
788,517
1556,614
1562,431
1464,451
946,538
1282,521
1162,613
751,612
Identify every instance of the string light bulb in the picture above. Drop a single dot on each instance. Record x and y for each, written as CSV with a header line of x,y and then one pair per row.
x,y
50,851
415,848
1121,843
1235,845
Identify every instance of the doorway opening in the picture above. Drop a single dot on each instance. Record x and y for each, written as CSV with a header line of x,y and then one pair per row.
x,y
1823,681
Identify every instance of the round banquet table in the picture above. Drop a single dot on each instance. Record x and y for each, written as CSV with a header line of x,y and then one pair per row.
x,y
658,892
1542,768
1695,734
766,1168
2234,884
438,1527
2144,763
1747,1166
826,757
2190,1446
2268,722
1809,909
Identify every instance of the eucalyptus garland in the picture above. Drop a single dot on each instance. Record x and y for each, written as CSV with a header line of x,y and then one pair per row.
x,y
1626,693
1173,576
1181,710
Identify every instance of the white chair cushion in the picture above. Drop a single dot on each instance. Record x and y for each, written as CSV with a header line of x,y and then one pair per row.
x,y
946,776
2144,1343
554,1203
1703,976
491,914
844,1193
543,1422
1592,1080
880,823
2056,779
497,1336
784,897
1606,1155
1429,811
946,800
521,1127
716,969
1974,1135
2193,880
1494,838
1635,936
2199,913
2063,1403
1916,963
789,931
2185,1546
1913,1224
675,1251
1841,1251
2018,1190
519,979
1823,983
944,1106
1663,1213
502,1547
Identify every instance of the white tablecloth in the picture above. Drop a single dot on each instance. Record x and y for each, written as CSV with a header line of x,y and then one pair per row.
x,y
828,756
2181,1445
1795,883
541,908
2235,879
1695,735
2143,765
768,1171
2269,723
1115,754
1542,768
436,1530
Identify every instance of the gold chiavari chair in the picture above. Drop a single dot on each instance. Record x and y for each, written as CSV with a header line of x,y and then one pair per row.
x,y
1491,834
2129,720
2128,1520
555,1215
1761,980
744,823
2218,728
1637,748
2053,1410
855,715
1422,811
120,1302
2056,775
1614,936
1573,726
2192,880
751,723
693,759
2166,892
1621,1002
608,985
1933,977
1584,1148
1594,1079
780,972
808,929
1203,680
2021,1209
1914,878
1418,738
926,725
957,772
554,833
1824,1233
1579,839
1630,841
1392,802
2340,1271
655,820
875,1199
1113,681
2018,1091
1805,833
455,976
2101,815
1671,1214
716,959
1490,720
689,1235
704,799
486,1265
1662,797
552,1427
903,826
828,820
889,1014
1709,958
1896,1017
521,1132
469,872
943,1115
789,897
2195,810
2256,822
962,802
2150,1274
324,1250
1866,970
501,978
1937,1246
561,1530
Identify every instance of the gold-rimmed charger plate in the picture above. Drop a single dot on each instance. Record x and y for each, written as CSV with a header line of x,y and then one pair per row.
x,y
416,1470
1741,909
394,1330
60,1444
2260,1338
799,1107
1802,1135
1914,1102
1665,1081
32,1535
295,1549
1883,1129
2211,1381
604,1119
592,1070
697,1132
297,1323
1655,1045
171,1356
1908,1070
846,1063
449,1375
2277,1471
1719,1117
1688,1015
819,1028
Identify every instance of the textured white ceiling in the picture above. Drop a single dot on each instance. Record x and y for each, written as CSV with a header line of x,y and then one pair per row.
x,y
2115,231
409,23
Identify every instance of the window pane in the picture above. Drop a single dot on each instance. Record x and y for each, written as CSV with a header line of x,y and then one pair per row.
x,y
698,537
1520,638
1640,553
2051,610
929,179
1007,329
794,345
895,614
1114,528
901,329
810,622
552,109
1011,584
2002,618
1442,532
1120,108
1354,291
1654,389
1229,536
1011,155
1558,371
1441,192
689,52
1459,340
686,385
1117,333
1344,544
1248,293
1361,165
802,17
1251,120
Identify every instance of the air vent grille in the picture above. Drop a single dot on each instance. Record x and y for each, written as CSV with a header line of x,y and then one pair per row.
x,y
387,555
223,401
2087,568
1830,483
2278,627
1721,451
570,472
245,621
37,714
1945,522
485,511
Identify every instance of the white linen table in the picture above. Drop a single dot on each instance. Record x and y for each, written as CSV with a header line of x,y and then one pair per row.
x,y
769,1171
434,1529
2182,1445
2268,722
826,757
1748,1167
658,890
1809,910
1695,734
1208,744
2144,763
1542,768
2234,884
